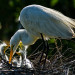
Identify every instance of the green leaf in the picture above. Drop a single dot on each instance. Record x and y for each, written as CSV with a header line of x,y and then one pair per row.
x,y
74,3
11,3
51,41
53,2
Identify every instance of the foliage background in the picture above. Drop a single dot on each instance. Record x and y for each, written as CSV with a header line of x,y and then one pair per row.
x,y
10,10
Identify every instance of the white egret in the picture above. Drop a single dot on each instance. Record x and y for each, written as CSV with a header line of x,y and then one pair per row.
x,y
36,20
3,47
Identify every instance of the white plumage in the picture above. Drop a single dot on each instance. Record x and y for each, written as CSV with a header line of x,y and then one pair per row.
x,y
3,47
24,61
38,19
16,62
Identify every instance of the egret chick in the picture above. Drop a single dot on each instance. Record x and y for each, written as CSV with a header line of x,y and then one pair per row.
x,y
41,21
24,61
3,48
16,62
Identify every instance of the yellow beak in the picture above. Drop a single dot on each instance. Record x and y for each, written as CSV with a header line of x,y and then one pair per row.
x,y
18,53
11,54
6,48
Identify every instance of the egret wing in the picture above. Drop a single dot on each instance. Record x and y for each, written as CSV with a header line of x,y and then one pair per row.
x,y
51,23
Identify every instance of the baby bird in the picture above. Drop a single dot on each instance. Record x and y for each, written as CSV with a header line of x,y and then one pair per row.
x,y
24,61
3,48
16,62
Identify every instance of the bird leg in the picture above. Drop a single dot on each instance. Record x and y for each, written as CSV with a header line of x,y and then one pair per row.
x,y
47,48
44,47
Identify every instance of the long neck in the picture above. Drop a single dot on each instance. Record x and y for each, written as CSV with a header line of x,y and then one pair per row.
x,y
24,52
26,38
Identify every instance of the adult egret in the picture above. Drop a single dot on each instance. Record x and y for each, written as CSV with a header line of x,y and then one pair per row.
x,y
36,20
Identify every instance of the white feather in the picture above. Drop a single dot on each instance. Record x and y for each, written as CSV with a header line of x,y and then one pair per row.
x,y
37,19
4,56
24,61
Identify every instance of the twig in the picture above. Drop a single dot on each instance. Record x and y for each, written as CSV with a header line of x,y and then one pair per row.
x,y
65,64
35,50
58,52
34,54
67,71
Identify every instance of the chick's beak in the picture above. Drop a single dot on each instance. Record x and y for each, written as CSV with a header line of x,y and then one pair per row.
x,y
18,53
11,54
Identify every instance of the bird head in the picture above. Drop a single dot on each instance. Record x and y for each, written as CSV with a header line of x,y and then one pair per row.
x,y
21,53
3,48
25,62
18,53
20,35
14,41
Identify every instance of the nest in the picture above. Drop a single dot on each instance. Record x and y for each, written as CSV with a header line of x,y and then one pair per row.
x,y
57,64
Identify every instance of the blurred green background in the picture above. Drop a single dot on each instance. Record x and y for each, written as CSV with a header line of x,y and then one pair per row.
x,y
10,10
